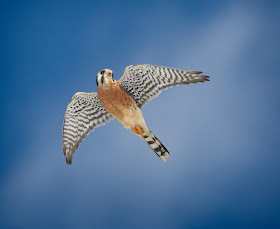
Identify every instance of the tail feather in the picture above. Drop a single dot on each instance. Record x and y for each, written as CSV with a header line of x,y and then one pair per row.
x,y
156,145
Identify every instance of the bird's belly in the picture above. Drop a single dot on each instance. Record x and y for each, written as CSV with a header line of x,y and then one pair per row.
x,y
122,106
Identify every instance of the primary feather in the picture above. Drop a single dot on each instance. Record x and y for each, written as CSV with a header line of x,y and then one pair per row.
x,y
145,82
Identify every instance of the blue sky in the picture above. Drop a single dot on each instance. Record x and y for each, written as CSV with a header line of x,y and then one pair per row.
x,y
223,135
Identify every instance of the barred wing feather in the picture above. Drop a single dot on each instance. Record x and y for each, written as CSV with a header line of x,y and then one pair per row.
x,y
144,82
84,113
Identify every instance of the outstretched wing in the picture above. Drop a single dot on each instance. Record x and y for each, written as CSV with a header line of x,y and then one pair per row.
x,y
144,82
84,113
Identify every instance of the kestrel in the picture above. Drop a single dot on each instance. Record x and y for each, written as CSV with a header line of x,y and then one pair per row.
x,y
123,100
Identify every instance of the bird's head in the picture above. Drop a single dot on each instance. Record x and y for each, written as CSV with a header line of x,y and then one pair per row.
x,y
104,77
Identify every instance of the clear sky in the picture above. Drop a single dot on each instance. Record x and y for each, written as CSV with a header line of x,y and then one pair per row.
x,y
223,135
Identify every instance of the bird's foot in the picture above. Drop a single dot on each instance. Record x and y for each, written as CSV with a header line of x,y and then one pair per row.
x,y
137,130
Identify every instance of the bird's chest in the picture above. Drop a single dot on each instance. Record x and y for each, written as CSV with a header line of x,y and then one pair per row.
x,y
117,102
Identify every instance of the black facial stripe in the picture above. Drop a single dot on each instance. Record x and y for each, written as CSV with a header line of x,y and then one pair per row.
x,y
102,79
96,81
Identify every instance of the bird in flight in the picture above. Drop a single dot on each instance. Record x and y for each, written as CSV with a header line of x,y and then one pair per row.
x,y
123,100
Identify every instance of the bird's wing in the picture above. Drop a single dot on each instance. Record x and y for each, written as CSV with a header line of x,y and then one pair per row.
x,y
144,82
84,113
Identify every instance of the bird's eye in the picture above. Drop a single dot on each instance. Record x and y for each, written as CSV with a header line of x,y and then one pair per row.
x,y
102,72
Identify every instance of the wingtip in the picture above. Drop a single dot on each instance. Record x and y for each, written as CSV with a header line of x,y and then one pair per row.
x,y
205,78
68,161
68,155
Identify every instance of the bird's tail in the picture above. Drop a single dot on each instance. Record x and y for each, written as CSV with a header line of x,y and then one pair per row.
x,y
155,144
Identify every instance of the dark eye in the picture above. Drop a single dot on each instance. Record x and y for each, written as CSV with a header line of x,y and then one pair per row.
x,y
102,72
